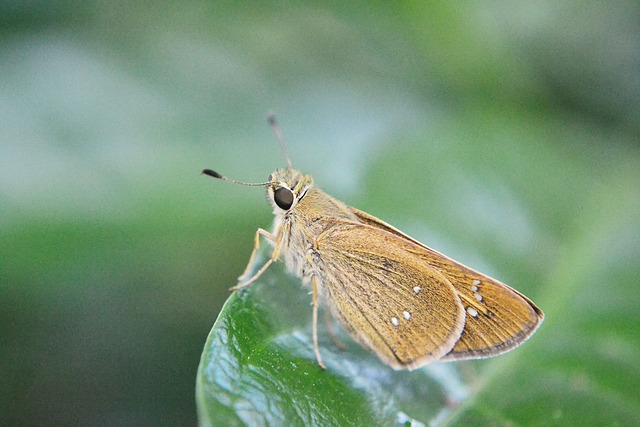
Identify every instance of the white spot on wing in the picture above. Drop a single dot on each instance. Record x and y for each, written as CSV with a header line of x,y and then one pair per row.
x,y
478,296
406,315
394,321
474,288
476,282
472,312
417,289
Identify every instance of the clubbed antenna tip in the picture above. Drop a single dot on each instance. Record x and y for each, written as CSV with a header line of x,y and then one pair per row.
x,y
212,173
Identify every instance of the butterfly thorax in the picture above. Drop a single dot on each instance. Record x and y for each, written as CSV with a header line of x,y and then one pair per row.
x,y
312,213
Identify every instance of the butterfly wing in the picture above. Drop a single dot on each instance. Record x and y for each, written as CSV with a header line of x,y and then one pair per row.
x,y
392,302
498,318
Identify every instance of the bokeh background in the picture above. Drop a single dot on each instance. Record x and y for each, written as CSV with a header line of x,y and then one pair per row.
x,y
502,133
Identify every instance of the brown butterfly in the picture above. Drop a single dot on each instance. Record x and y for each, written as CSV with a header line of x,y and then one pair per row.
x,y
405,302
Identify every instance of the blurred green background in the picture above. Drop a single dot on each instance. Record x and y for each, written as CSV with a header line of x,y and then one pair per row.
x,y
504,134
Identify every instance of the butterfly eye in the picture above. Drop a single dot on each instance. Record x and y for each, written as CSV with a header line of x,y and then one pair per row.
x,y
283,198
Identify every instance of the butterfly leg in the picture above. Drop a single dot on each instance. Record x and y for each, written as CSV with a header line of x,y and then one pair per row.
x,y
256,245
316,348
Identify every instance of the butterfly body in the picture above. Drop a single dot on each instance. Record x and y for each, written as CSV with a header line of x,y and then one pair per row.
x,y
405,302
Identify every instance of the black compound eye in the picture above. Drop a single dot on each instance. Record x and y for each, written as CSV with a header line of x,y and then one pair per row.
x,y
283,198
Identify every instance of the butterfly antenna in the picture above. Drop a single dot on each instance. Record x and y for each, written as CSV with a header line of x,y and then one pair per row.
x,y
276,129
215,174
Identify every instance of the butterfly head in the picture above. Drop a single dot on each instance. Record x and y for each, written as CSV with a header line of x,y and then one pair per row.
x,y
285,188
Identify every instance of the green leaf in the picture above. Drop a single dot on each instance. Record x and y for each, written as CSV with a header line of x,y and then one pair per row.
x,y
258,368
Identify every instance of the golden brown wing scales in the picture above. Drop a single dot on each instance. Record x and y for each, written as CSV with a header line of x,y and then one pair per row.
x,y
394,304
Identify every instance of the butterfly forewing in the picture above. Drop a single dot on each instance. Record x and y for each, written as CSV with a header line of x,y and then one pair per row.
x,y
403,310
498,317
